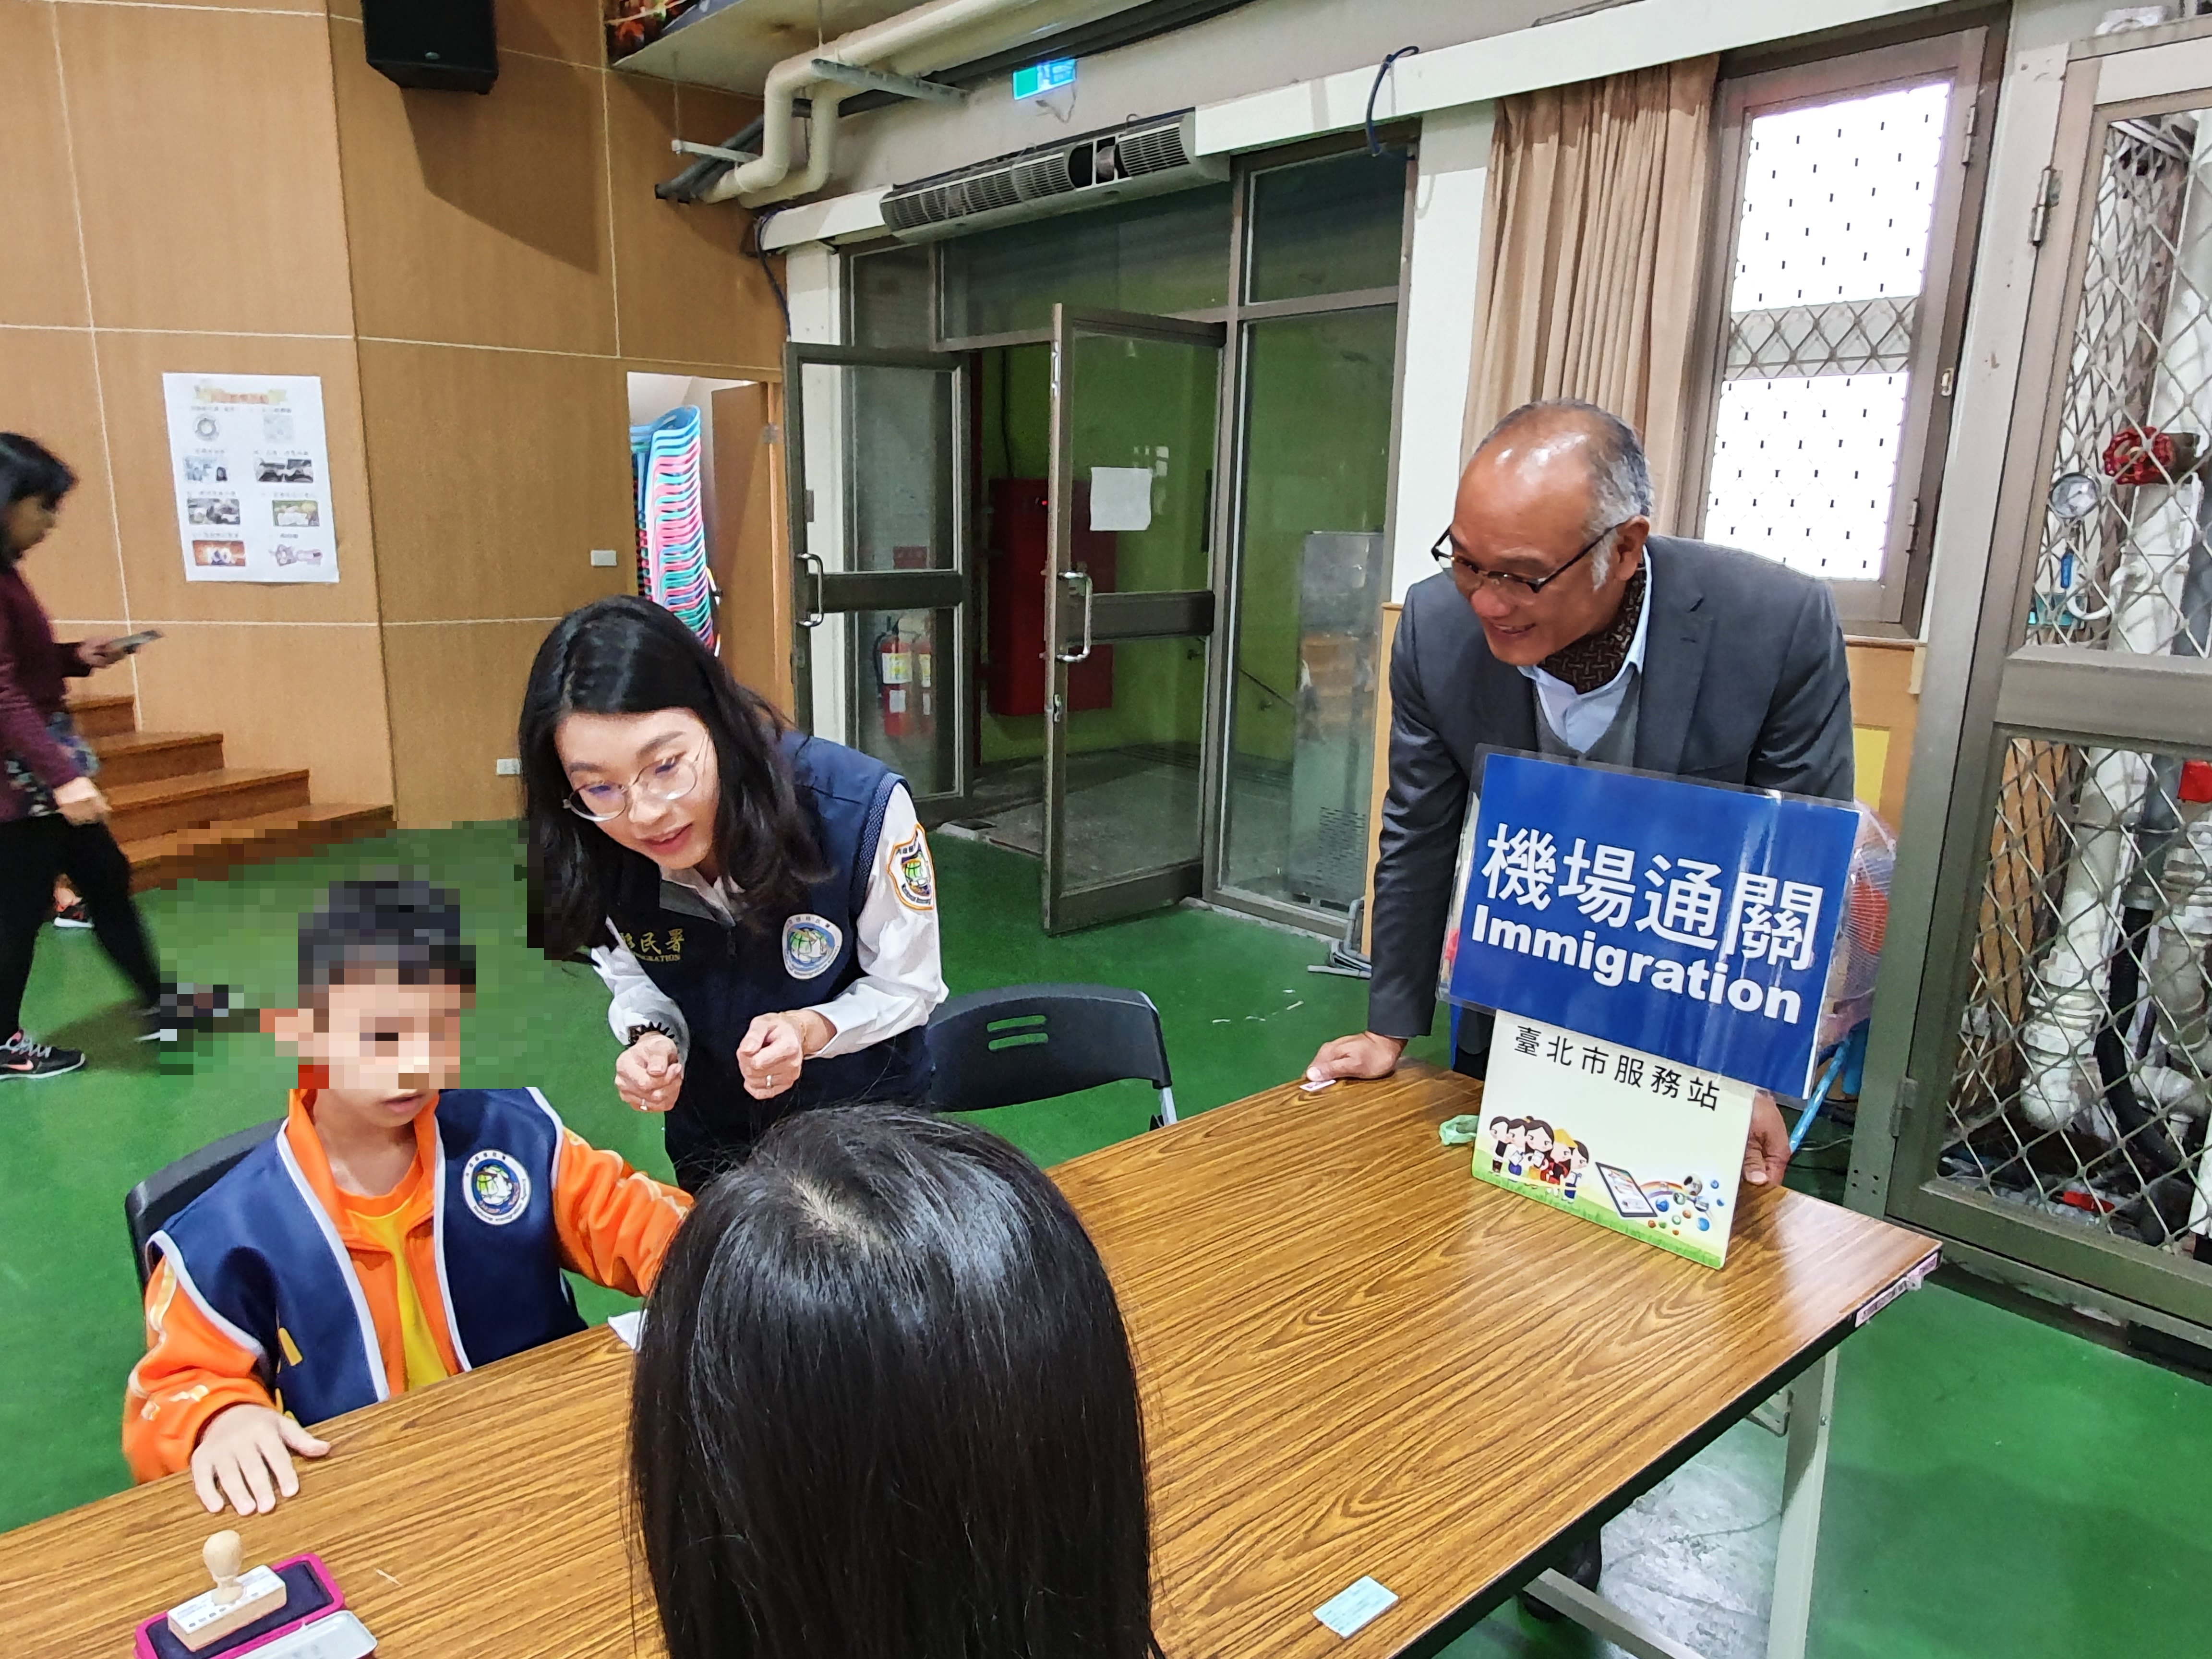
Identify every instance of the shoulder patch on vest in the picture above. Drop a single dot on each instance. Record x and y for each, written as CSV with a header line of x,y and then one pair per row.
x,y
811,944
912,877
495,1186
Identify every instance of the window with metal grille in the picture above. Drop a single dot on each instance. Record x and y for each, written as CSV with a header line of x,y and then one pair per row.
x,y
1832,319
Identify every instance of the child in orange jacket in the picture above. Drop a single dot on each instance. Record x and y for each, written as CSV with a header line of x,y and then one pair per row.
x,y
395,1232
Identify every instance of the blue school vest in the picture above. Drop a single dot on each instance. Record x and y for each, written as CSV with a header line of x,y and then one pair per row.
x,y
259,1255
723,977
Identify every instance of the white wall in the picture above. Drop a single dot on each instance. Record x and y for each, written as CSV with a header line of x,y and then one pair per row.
x,y
1445,264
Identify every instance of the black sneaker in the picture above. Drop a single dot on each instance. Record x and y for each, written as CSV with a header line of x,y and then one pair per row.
x,y
186,1008
20,1057
72,915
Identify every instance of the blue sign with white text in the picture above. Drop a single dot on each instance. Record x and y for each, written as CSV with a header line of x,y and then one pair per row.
x,y
1690,922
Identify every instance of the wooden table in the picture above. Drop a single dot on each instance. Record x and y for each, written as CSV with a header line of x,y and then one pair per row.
x,y
1358,1361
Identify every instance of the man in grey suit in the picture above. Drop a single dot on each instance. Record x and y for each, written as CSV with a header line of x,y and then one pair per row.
x,y
1562,625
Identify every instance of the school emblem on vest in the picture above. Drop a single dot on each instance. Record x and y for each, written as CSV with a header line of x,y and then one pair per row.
x,y
495,1186
810,945
912,878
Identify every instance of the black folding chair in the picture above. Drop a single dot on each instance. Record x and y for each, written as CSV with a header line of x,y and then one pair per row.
x,y
148,1207
1034,1042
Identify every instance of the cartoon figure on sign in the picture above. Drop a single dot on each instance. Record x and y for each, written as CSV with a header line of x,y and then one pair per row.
x,y
1555,1168
1578,1160
1540,1148
1497,1126
1516,1146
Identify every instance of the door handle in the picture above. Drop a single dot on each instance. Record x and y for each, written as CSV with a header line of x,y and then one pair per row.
x,y
814,618
1090,591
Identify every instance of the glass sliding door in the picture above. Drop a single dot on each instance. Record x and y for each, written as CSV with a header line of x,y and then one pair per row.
x,y
879,653
1130,611
1316,321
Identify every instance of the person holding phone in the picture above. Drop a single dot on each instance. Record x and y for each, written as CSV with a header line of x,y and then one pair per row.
x,y
52,816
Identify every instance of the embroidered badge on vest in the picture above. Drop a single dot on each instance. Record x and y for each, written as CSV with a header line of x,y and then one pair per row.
x,y
912,878
495,1186
810,945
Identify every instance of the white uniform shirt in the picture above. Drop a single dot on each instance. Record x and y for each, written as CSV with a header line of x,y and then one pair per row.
x,y
901,980
1581,718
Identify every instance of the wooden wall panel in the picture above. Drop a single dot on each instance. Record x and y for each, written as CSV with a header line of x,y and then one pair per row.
x,y
207,167
1885,714
41,269
280,694
687,292
456,695
495,474
480,221
50,390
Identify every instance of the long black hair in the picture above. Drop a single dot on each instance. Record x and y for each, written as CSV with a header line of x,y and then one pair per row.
x,y
628,656
885,1409
29,471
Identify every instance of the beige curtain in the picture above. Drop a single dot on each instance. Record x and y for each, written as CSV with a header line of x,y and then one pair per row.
x,y
1594,244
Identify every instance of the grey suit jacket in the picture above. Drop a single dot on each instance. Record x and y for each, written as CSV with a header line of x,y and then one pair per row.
x,y
1744,682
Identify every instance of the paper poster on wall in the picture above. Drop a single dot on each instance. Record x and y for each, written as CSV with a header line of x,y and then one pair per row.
x,y
252,475
1122,498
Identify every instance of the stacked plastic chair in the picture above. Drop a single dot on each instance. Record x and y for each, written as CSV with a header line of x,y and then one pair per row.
x,y
671,525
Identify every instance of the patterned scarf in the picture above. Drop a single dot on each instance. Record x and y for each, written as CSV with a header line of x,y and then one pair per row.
x,y
1595,658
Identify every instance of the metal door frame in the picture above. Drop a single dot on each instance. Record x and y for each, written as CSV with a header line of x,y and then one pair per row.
x,y
1105,618
818,595
1997,689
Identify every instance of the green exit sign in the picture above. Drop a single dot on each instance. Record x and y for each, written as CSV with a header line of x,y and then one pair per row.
x,y
1038,79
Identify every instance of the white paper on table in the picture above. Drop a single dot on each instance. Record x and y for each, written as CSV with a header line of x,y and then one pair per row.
x,y
1121,498
629,1327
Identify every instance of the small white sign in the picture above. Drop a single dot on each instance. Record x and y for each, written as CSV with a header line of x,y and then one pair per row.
x,y
1121,498
252,475
1640,1144
1351,1610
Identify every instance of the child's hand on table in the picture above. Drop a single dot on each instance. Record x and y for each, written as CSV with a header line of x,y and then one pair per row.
x,y
649,1074
241,1448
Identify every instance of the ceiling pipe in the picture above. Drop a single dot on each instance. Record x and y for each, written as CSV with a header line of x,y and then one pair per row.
x,y
770,179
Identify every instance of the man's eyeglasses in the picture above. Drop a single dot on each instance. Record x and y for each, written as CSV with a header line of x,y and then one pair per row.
x,y
1473,578
667,779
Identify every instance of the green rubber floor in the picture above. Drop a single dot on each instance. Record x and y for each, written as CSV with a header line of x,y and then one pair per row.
x,y
1998,1486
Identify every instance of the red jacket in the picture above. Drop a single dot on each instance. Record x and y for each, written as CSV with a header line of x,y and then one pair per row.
x,y
33,668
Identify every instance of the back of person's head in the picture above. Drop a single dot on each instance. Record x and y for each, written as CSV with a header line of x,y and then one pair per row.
x,y
885,1409
626,655
29,471
399,932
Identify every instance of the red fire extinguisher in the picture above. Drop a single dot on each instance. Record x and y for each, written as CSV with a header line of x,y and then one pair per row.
x,y
894,681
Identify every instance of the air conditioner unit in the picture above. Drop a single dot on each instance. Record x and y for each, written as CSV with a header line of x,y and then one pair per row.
x,y
1145,158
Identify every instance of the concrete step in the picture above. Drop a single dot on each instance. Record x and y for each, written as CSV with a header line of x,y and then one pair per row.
x,y
228,843
145,757
105,716
142,811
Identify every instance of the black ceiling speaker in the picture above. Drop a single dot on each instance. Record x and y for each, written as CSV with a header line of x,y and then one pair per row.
x,y
445,46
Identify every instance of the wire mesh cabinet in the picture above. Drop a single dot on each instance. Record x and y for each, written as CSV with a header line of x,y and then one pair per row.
x,y
2045,1040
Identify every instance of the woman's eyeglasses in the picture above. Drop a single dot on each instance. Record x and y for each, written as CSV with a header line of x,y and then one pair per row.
x,y
1473,578
665,780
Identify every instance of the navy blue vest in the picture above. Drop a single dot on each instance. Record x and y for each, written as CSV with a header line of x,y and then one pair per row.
x,y
723,977
262,1259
